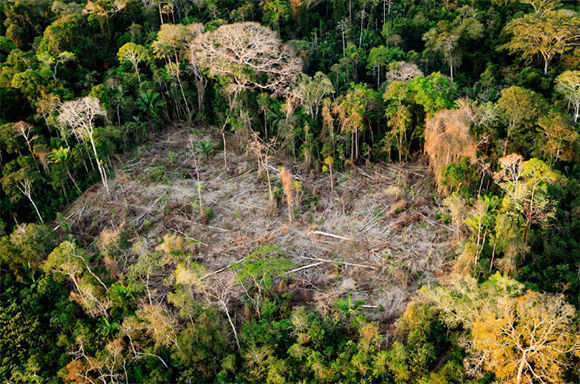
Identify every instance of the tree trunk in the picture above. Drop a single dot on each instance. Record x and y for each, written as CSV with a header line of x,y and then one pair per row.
x,y
35,208
331,178
384,12
99,166
184,98
493,254
521,368
350,10
361,29
225,150
74,182
232,325
138,75
200,94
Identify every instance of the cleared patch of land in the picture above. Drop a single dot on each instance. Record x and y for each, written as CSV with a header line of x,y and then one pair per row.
x,y
374,237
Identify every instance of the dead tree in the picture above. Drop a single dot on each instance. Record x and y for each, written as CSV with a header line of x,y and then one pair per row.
x,y
25,186
80,115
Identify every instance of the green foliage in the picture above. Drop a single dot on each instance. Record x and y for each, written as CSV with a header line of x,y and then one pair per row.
x,y
261,267
433,93
26,247
34,317
318,100
460,177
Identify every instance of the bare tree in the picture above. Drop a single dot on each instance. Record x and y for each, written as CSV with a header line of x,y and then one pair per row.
x,y
343,28
80,116
244,54
45,108
261,149
25,186
402,71
26,131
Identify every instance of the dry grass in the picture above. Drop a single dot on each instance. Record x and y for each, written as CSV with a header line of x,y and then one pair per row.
x,y
393,244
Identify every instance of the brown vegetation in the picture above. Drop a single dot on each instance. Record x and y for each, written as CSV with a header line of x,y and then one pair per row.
x,y
447,138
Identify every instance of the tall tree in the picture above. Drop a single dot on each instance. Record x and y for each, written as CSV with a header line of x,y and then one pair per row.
x,y
545,35
520,337
527,186
135,54
520,108
448,38
558,137
568,85
310,91
353,111
80,116
171,44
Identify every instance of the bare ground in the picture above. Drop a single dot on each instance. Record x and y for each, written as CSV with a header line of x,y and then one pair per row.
x,y
374,237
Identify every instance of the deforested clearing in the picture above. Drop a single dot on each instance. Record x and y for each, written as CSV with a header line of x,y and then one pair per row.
x,y
374,237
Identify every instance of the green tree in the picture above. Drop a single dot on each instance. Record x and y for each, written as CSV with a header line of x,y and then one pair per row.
x,y
568,85
399,119
434,92
70,261
261,267
53,62
172,45
545,35
135,54
354,110
310,91
527,185
448,39
558,137
149,102
275,11
61,156
27,246
520,108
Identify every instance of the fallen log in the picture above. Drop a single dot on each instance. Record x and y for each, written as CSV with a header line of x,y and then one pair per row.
x,y
334,236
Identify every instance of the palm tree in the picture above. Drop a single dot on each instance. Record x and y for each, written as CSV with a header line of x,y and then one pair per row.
x,y
349,310
205,147
148,102
62,155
